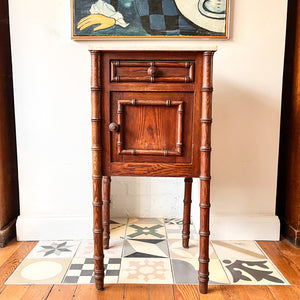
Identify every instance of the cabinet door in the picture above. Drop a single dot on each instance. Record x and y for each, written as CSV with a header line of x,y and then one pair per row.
x,y
151,127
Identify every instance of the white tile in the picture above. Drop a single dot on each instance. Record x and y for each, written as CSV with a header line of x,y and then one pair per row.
x,y
54,249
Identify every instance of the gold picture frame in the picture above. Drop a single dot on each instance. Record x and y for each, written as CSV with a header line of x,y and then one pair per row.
x,y
101,19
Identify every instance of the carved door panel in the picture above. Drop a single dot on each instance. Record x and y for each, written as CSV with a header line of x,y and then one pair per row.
x,y
151,127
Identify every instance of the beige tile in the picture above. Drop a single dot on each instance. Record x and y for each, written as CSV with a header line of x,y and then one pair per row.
x,y
177,251
117,231
115,248
185,271
146,221
217,274
146,248
237,250
146,271
54,249
85,249
39,271
145,231
255,272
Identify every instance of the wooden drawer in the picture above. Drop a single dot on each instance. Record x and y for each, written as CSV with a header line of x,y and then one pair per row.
x,y
152,71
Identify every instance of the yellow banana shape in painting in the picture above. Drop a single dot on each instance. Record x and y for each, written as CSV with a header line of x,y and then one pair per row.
x,y
103,21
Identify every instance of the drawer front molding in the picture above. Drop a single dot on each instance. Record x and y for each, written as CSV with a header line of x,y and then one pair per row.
x,y
152,71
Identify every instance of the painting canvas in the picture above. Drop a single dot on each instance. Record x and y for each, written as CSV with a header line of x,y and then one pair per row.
x,y
149,18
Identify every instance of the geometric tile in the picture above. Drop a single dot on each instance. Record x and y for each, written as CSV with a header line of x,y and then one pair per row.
x,y
54,249
185,271
115,248
177,251
217,274
85,249
243,250
175,221
146,270
175,232
117,231
252,272
81,271
145,251
47,270
123,221
112,268
146,221
146,231
146,248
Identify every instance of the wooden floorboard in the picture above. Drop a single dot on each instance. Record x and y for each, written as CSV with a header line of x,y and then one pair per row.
x,y
14,260
15,292
86,291
214,293
114,291
284,292
249,292
186,292
8,250
283,260
62,292
161,292
30,292
136,292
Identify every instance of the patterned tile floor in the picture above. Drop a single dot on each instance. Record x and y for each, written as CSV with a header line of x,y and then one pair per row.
x,y
147,251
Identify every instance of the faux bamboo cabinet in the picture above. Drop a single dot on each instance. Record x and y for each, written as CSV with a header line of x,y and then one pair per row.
x,y
151,116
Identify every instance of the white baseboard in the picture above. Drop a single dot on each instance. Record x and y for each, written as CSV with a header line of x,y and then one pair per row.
x,y
246,227
54,228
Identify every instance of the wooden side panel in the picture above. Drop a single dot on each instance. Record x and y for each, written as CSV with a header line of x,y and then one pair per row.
x,y
9,192
288,188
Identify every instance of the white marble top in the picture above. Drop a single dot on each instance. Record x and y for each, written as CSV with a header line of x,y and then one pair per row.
x,y
180,45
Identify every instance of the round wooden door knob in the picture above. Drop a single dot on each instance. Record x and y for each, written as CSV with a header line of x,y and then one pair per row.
x,y
152,71
114,127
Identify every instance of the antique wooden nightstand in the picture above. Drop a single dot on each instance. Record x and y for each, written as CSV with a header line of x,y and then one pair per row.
x,y
151,116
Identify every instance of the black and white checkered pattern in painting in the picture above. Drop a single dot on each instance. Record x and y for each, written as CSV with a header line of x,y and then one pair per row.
x,y
161,17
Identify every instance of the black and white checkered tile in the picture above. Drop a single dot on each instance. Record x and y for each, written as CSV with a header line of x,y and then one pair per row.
x,y
81,270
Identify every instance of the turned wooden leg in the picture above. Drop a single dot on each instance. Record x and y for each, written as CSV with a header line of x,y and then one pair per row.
x,y
98,235
106,211
97,173
187,211
205,150
204,235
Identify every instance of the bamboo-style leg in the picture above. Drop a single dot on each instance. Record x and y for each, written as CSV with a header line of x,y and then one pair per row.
x,y
106,211
97,172
205,150
187,211
98,235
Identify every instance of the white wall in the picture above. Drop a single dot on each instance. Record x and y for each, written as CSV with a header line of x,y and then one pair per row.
x,y
52,102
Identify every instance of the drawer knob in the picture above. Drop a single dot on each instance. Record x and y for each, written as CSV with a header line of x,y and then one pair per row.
x,y
152,71
114,127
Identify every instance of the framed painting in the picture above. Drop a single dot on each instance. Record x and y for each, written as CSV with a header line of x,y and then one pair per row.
x,y
92,19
